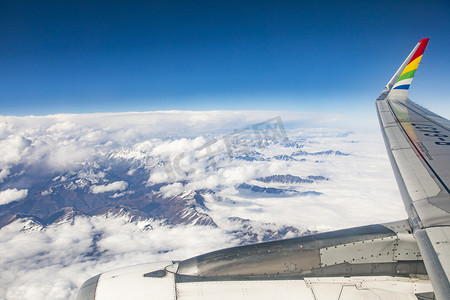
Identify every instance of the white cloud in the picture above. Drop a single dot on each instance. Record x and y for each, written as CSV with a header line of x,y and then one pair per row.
x,y
3,174
62,127
62,141
12,195
64,256
12,149
112,187
47,192
172,189
68,146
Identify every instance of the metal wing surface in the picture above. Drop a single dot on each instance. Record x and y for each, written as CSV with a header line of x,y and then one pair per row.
x,y
418,143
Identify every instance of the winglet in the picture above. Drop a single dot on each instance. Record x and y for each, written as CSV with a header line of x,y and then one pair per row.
x,y
398,86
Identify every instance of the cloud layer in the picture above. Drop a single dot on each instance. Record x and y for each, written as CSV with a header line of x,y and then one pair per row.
x,y
11,195
53,263
112,187
165,154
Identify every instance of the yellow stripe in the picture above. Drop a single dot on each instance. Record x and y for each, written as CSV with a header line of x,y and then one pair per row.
x,y
412,65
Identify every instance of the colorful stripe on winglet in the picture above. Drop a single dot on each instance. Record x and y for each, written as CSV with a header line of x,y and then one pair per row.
x,y
404,81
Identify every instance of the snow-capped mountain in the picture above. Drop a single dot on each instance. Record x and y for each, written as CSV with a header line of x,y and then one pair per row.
x,y
82,194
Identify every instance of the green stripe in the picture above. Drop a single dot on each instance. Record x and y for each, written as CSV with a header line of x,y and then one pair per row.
x,y
407,75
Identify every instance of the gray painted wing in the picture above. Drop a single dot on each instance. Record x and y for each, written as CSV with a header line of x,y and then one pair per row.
x,y
418,143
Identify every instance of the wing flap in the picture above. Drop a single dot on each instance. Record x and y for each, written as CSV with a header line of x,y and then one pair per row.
x,y
440,237
417,179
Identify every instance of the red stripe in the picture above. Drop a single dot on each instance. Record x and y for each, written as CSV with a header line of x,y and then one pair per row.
x,y
420,50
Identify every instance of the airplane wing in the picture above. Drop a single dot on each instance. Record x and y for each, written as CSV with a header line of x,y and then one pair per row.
x,y
418,143
384,261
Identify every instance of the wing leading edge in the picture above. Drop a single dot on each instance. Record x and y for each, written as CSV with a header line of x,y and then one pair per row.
x,y
418,144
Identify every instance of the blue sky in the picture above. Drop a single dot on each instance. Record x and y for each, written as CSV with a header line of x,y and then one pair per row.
x,y
111,56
